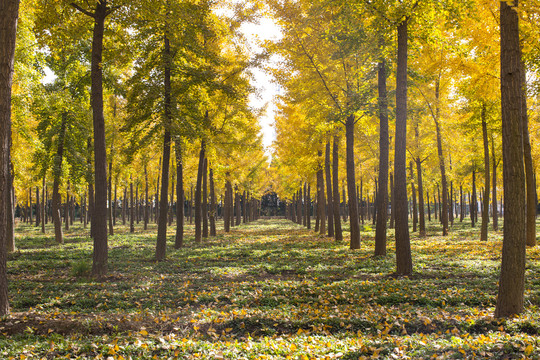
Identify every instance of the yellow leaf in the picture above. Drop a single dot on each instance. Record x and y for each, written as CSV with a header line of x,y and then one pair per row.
x,y
529,349
143,332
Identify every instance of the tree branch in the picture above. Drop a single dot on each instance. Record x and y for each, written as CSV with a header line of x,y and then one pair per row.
x,y
85,12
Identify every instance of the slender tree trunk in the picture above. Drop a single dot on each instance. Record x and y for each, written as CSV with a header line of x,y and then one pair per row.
x,y
191,206
161,244
43,202
226,215
439,203
510,298
403,245
442,166
462,204
57,171
321,201
111,228
115,204
131,207
485,199
382,203
330,205
99,214
351,184
213,211
238,208
494,188
308,207
338,233
66,208
428,206
179,238
474,201
205,199
414,204
124,206
451,203
198,195
528,162
422,218
146,205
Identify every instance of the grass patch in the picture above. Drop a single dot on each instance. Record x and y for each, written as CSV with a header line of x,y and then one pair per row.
x,y
269,289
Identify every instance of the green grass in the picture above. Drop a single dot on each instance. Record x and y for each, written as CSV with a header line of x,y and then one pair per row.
x,y
267,290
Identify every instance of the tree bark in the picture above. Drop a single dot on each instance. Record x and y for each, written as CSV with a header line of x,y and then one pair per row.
x,y
403,245
161,243
8,26
111,228
510,298
308,207
131,207
485,199
414,205
198,195
528,162
179,238
321,201
205,199
382,203
338,232
57,171
146,204
213,211
442,166
330,205
474,201
422,217
494,187
351,184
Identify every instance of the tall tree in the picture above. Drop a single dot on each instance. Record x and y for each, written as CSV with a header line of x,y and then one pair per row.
x,y
8,31
510,297
99,217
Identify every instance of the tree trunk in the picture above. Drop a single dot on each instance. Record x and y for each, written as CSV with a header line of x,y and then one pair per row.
x,y
57,172
198,195
43,202
131,207
66,208
226,208
237,206
308,206
146,204
528,162
321,201
111,228
422,218
485,199
451,203
338,233
205,199
330,205
414,205
510,298
161,243
474,201
99,214
462,204
8,24
124,206
115,204
382,203
351,184
179,238
403,245
213,211
494,188
442,166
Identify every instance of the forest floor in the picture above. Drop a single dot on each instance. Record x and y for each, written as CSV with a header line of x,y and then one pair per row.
x,y
267,290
